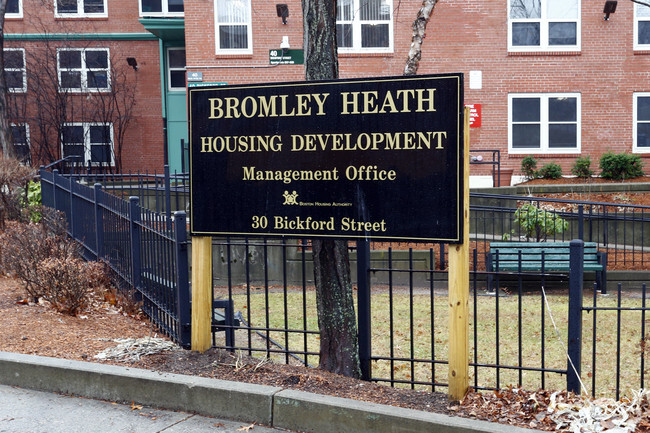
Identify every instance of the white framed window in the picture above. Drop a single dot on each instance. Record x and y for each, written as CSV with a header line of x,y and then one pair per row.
x,y
91,142
20,137
162,8
176,69
15,70
233,29
80,8
641,122
364,25
641,27
14,9
544,25
544,123
84,69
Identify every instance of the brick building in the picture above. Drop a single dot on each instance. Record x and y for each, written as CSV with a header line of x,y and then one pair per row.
x,y
554,78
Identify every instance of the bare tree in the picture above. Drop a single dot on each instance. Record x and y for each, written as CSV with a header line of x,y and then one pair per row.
x,y
5,137
339,347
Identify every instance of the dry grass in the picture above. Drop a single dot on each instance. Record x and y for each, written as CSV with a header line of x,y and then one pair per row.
x,y
419,334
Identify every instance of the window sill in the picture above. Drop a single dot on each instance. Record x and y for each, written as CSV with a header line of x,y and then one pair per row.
x,y
642,52
224,56
544,53
544,155
361,54
81,18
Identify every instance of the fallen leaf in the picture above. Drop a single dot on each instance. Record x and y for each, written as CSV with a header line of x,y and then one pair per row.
x,y
247,428
135,406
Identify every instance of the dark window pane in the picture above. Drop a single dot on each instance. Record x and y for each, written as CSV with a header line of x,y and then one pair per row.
x,y
176,58
100,134
73,134
97,79
66,6
71,80
14,79
525,136
96,59
374,35
344,35
562,136
93,6
177,79
73,149
19,134
100,153
525,34
175,5
643,108
562,109
13,59
562,34
151,5
525,110
70,59
12,7
22,152
233,37
644,32
525,9
643,135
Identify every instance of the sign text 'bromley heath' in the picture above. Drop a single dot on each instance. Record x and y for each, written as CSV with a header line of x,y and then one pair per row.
x,y
371,159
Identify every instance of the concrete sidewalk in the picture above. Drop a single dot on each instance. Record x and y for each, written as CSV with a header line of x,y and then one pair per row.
x,y
248,403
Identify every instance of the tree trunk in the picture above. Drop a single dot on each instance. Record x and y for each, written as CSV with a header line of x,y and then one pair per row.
x,y
419,33
339,346
5,137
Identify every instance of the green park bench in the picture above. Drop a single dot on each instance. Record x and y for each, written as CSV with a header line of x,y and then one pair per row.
x,y
556,258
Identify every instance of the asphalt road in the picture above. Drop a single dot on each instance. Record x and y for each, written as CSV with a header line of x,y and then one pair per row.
x,y
27,411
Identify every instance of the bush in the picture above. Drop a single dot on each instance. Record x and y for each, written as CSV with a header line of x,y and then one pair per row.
x,y
550,171
582,167
529,167
14,180
619,166
538,223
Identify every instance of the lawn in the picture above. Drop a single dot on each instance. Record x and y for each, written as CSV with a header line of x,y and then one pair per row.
x,y
418,331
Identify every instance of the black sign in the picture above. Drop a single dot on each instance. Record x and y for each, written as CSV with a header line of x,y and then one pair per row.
x,y
377,158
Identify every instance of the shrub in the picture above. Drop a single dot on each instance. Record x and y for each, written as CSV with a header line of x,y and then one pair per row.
x,y
538,223
619,166
529,167
14,178
582,167
550,171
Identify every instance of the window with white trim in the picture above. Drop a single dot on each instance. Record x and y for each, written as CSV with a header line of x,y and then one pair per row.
x,y
15,70
14,9
84,70
233,26
544,25
91,142
162,8
20,137
642,122
364,25
176,68
544,123
641,27
80,8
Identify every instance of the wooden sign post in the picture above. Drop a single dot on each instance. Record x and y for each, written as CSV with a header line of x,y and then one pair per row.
x,y
201,293
459,294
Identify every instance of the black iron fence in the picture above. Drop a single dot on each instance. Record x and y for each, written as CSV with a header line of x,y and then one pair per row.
x,y
147,251
264,298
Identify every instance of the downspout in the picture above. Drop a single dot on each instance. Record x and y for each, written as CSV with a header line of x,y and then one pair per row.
x,y
163,92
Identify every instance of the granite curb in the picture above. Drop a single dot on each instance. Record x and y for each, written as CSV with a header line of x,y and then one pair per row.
x,y
272,406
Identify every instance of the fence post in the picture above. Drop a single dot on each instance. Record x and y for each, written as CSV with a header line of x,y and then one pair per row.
x,y
168,198
184,312
574,350
99,223
581,222
71,218
363,299
134,231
